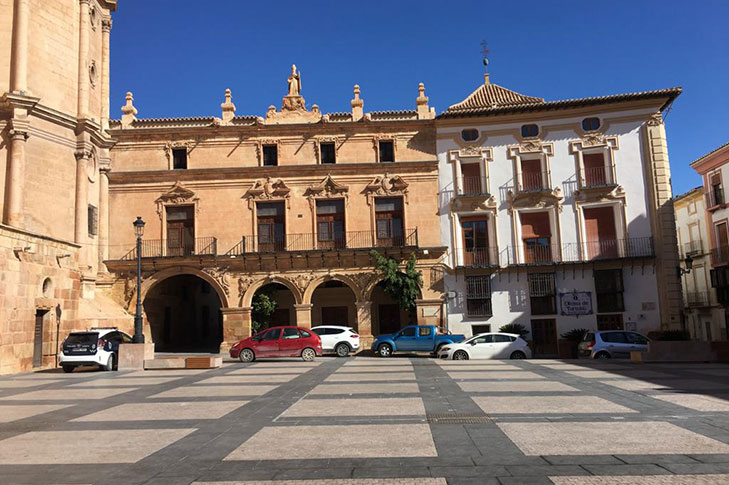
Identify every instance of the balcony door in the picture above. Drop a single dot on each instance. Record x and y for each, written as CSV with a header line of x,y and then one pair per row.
x,y
595,169
389,221
531,175
271,225
600,237
180,231
330,233
536,237
471,180
475,241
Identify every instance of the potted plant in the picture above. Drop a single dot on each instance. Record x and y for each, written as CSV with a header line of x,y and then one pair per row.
x,y
574,337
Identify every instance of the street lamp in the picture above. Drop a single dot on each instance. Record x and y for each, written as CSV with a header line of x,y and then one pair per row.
x,y
689,262
139,231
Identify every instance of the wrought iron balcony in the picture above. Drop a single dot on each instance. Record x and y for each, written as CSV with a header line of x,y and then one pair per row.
x,y
321,242
472,186
533,181
595,177
697,298
693,247
641,247
167,248
479,257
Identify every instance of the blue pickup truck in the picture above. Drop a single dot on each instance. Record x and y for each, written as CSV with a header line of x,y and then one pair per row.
x,y
415,338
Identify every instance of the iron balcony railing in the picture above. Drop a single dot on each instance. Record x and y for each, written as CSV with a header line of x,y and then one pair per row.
x,y
693,247
533,181
697,298
641,247
472,185
331,241
720,255
167,248
480,257
598,177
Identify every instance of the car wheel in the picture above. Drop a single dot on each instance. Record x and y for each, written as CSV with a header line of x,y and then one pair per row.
x,y
517,355
342,350
460,355
246,355
308,354
602,355
67,368
384,350
109,364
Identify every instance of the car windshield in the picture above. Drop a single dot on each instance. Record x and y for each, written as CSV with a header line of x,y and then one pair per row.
x,y
82,338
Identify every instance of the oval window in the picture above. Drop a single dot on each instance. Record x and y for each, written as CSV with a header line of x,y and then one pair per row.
x,y
590,124
529,130
470,134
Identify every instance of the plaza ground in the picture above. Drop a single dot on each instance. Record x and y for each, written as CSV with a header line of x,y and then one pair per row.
x,y
364,420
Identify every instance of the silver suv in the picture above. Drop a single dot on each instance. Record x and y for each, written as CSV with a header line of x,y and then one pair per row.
x,y
609,344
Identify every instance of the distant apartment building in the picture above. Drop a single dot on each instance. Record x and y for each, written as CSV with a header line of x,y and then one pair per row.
x,y
558,214
714,170
704,317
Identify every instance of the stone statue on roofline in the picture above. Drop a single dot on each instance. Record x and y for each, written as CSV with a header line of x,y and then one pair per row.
x,y
294,82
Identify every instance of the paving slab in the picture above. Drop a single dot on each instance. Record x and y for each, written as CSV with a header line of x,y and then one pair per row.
x,y
364,369
713,372
605,374
246,379
367,388
363,441
548,405
608,438
216,391
368,376
515,386
68,394
14,412
124,381
342,481
664,384
495,375
643,480
109,446
166,372
391,406
18,383
163,411
269,371
482,368
364,361
698,402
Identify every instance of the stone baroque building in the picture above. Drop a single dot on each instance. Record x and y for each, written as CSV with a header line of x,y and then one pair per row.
x,y
558,214
298,198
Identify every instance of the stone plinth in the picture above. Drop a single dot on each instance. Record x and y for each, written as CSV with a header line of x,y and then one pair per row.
x,y
133,356
165,363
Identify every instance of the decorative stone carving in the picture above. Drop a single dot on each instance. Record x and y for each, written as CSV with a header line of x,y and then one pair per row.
x,y
92,73
293,108
386,185
583,196
177,195
365,280
474,204
220,275
327,188
267,189
656,119
130,287
244,282
302,280
543,199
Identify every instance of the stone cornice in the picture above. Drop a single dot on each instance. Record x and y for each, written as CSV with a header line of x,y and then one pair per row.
x,y
315,171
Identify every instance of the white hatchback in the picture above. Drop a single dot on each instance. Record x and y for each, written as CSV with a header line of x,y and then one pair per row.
x,y
99,346
488,346
340,340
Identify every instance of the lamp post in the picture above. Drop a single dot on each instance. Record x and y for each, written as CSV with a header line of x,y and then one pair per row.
x,y
689,262
139,231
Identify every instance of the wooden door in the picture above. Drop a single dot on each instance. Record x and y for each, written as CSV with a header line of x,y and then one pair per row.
x,y
180,231
531,175
335,315
537,237
595,169
600,234
330,224
38,338
475,242
544,337
471,181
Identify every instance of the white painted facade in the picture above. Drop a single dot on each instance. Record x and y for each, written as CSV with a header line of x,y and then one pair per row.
x,y
562,143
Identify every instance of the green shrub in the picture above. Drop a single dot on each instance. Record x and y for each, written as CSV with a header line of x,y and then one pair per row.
x,y
515,328
575,335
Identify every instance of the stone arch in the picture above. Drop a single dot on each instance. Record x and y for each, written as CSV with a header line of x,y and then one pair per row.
x,y
314,284
151,281
256,285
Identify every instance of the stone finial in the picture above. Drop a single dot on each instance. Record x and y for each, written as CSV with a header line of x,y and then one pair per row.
x,y
424,113
228,108
128,111
486,78
357,105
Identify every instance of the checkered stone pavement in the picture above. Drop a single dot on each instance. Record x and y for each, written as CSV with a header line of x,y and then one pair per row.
x,y
370,421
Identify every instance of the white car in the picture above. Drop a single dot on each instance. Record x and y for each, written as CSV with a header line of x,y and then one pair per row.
x,y
488,346
340,340
98,346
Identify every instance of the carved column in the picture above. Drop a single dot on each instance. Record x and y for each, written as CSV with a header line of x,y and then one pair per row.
x,y
103,217
19,60
364,324
83,58
105,34
15,181
303,315
236,326
82,188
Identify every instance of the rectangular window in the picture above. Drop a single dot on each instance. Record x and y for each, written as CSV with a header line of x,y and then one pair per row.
x,y
475,242
717,192
609,290
270,155
389,221
471,181
536,236
531,175
330,224
179,158
328,153
595,169
542,293
93,222
477,329
387,151
271,225
478,296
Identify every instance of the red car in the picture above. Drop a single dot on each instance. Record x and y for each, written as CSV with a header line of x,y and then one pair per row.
x,y
279,342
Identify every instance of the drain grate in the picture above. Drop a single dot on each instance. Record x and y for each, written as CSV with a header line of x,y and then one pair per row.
x,y
452,418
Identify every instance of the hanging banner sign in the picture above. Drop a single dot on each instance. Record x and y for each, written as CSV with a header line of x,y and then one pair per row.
x,y
576,303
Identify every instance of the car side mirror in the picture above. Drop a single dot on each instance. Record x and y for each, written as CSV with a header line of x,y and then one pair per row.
x,y
472,342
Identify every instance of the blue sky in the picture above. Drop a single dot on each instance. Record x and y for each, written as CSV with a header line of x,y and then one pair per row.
x,y
178,56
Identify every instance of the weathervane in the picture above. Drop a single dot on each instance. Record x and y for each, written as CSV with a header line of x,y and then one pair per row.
x,y
485,52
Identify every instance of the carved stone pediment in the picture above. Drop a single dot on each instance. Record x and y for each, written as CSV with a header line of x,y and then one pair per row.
x,y
178,194
327,188
594,140
603,194
387,185
267,189
474,204
541,199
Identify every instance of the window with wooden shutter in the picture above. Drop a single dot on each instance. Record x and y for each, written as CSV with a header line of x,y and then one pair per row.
x,y
93,220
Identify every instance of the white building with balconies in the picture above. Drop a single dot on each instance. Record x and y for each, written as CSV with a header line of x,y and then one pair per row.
x,y
557,214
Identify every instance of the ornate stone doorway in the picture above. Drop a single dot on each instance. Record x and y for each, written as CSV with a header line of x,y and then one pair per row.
x,y
334,303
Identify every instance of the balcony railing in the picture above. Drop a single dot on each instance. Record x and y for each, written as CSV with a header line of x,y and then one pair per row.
x,y
472,185
480,257
598,177
693,247
641,247
697,298
166,248
533,181
312,242
720,255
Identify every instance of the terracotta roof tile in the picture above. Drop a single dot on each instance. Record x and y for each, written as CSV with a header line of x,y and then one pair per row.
x,y
492,96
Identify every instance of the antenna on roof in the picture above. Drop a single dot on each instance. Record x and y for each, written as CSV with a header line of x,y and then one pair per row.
x,y
485,53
